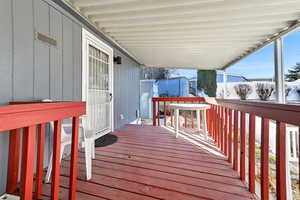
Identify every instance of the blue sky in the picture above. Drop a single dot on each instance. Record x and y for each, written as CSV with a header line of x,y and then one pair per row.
x,y
261,63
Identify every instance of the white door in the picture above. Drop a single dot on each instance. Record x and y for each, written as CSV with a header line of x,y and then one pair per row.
x,y
97,74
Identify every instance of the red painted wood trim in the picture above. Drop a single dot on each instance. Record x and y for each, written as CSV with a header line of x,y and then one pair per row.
x,y
165,114
243,147
252,156
56,160
19,116
235,140
226,132
217,126
74,158
154,112
215,123
40,161
171,116
198,99
158,114
212,121
13,161
28,145
230,136
265,159
281,161
208,111
222,128
280,112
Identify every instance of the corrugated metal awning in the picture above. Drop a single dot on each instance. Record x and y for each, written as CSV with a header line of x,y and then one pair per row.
x,y
206,34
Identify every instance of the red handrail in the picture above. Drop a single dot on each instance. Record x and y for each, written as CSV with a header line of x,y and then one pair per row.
x,y
283,114
13,118
225,129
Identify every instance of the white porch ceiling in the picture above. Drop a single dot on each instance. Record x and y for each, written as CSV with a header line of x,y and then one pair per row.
x,y
205,34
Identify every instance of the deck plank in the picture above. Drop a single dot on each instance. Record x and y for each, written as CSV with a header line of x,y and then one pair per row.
x,y
150,163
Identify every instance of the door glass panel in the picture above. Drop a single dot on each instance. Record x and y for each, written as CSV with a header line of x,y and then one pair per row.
x,y
99,102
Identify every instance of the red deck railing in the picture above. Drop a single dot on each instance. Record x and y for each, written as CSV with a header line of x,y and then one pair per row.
x,y
29,117
158,100
228,128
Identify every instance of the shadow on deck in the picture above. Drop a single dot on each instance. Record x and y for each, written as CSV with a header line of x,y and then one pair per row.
x,y
150,163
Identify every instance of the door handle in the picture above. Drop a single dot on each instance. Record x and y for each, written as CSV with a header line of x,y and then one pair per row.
x,y
110,97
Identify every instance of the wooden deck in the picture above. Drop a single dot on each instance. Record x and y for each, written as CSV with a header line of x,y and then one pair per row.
x,y
150,163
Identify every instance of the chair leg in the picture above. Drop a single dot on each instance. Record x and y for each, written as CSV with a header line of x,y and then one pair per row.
x,y
88,159
48,174
49,170
93,149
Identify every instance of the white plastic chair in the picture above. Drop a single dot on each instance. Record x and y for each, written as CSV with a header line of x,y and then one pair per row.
x,y
86,141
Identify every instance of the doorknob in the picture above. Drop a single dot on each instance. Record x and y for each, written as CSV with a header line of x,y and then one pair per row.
x,y
110,97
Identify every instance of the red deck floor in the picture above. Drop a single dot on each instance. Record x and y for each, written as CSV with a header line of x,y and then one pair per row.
x,y
150,163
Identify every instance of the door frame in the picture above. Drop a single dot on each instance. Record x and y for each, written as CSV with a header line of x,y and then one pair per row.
x,y
90,39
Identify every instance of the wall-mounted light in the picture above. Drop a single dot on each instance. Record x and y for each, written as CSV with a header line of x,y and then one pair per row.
x,y
118,60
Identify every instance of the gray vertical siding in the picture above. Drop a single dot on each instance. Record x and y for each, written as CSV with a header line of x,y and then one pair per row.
x,y
126,90
23,50
41,51
77,61
67,59
6,76
31,69
56,54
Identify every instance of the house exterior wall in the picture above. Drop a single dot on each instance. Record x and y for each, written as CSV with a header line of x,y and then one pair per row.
x,y
177,87
31,69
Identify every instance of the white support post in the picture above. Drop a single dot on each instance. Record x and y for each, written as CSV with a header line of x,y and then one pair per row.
x,y
279,71
280,97
225,84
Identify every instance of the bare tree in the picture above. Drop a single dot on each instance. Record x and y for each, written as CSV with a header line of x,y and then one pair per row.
x,y
264,90
243,90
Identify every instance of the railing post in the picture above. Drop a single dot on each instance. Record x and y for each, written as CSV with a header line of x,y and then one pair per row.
x,y
222,128
209,121
226,132
28,145
281,161
154,112
171,116
158,113
165,114
40,160
212,121
74,158
56,160
236,140
252,156
13,161
215,123
265,159
243,147
230,136
217,126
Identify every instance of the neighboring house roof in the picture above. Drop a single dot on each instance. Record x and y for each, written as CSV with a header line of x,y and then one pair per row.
x,y
176,78
230,78
260,79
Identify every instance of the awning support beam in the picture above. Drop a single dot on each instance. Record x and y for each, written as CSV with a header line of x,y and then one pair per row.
x,y
279,71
